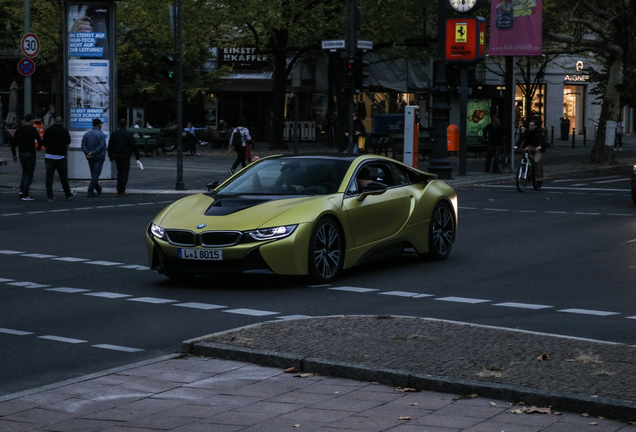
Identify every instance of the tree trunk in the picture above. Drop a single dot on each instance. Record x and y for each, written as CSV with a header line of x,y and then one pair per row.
x,y
609,111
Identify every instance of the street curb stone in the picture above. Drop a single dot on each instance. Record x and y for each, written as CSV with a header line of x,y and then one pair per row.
x,y
561,401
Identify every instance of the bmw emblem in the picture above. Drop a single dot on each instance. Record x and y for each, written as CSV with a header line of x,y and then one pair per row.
x,y
201,226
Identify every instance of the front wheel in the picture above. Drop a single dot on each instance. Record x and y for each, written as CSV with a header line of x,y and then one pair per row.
x,y
441,232
326,251
522,181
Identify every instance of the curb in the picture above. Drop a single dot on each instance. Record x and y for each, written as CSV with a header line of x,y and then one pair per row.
x,y
594,405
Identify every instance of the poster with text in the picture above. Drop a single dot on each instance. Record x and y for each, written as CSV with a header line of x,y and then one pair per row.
x,y
515,28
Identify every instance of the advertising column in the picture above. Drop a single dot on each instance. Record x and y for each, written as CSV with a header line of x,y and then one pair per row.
x,y
90,89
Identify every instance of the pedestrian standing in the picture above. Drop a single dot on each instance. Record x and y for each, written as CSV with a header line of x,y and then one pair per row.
x,y
24,140
94,147
121,147
49,118
238,140
619,134
496,136
56,140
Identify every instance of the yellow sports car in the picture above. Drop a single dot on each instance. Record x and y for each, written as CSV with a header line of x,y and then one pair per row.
x,y
305,215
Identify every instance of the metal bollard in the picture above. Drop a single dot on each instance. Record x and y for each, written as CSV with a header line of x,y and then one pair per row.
x,y
584,136
573,137
552,137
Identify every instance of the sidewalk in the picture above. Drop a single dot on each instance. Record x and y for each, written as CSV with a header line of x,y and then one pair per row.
x,y
351,373
159,175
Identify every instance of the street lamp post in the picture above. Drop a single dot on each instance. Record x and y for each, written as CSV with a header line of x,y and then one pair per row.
x,y
439,163
179,58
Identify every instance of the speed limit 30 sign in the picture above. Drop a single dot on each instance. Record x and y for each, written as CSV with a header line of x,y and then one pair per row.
x,y
30,45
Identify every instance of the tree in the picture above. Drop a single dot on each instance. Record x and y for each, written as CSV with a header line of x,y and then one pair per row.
x,y
609,30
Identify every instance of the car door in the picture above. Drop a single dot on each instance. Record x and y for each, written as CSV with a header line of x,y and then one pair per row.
x,y
377,216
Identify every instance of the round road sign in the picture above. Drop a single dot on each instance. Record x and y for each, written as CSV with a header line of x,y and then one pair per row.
x,y
30,45
26,67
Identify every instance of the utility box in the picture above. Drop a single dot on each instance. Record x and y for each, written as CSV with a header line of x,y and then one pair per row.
x,y
411,135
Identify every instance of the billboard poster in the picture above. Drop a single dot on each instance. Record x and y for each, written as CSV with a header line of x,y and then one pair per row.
x,y
478,116
89,66
515,28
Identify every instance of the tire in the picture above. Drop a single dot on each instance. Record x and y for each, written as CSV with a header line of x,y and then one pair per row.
x,y
326,251
441,232
178,276
522,181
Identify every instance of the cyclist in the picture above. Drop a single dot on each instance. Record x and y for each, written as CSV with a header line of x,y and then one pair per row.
x,y
533,139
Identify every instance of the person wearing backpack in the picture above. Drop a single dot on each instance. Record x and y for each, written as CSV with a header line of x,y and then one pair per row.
x,y
238,141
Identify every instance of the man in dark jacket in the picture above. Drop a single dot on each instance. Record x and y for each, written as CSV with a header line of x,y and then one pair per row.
x,y
533,139
56,138
24,139
121,146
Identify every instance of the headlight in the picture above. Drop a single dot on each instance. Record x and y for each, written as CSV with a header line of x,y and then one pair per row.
x,y
272,233
157,231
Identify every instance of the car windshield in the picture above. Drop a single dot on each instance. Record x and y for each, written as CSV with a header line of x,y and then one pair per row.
x,y
289,176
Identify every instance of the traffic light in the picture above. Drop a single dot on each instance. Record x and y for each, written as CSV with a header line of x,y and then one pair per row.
x,y
360,74
167,70
350,69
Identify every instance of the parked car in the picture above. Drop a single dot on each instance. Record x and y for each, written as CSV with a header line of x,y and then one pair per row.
x,y
305,215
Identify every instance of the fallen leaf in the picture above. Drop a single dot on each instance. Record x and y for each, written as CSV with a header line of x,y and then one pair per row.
x,y
585,415
557,413
290,370
517,411
296,425
493,404
406,389
375,383
542,357
414,404
404,418
593,424
570,360
304,375
532,410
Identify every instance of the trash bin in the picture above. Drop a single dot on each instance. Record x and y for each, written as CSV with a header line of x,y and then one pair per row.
x,y
452,138
565,129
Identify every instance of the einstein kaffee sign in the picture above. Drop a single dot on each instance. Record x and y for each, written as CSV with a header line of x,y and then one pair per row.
x,y
242,58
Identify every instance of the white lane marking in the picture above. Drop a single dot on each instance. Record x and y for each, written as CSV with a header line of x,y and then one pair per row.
x,y
10,252
6,280
563,188
353,289
319,286
12,214
467,208
59,210
84,208
104,263
62,339
556,212
135,267
588,312
399,293
527,211
250,312
195,305
70,259
612,181
126,205
67,290
423,295
632,317
35,212
585,213
619,214
523,305
28,285
293,317
15,332
36,255
462,300
117,348
110,295
494,209
579,184
105,206
153,300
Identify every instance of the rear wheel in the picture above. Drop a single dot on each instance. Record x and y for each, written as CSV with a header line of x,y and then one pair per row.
x,y
326,251
522,181
441,232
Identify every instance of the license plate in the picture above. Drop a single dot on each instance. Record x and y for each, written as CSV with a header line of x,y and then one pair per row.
x,y
201,254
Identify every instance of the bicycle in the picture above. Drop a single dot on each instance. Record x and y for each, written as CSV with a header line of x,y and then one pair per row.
x,y
502,159
525,172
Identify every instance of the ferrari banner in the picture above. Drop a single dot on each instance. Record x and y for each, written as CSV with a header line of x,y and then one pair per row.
x,y
515,28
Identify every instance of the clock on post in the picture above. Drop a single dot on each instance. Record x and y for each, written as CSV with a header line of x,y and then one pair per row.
x,y
463,6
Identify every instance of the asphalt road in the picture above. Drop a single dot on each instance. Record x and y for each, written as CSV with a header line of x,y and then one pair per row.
x,y
77,296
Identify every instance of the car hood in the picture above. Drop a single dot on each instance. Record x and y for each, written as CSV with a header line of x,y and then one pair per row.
x,y
228,212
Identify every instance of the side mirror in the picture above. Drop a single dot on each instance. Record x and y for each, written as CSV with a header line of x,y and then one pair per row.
x,y
212,185
372,188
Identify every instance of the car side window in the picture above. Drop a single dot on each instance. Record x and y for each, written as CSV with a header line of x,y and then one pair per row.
x,y
371,172
402,176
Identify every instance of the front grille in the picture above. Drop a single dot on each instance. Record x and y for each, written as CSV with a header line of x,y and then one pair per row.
x,y
181,238
219,238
